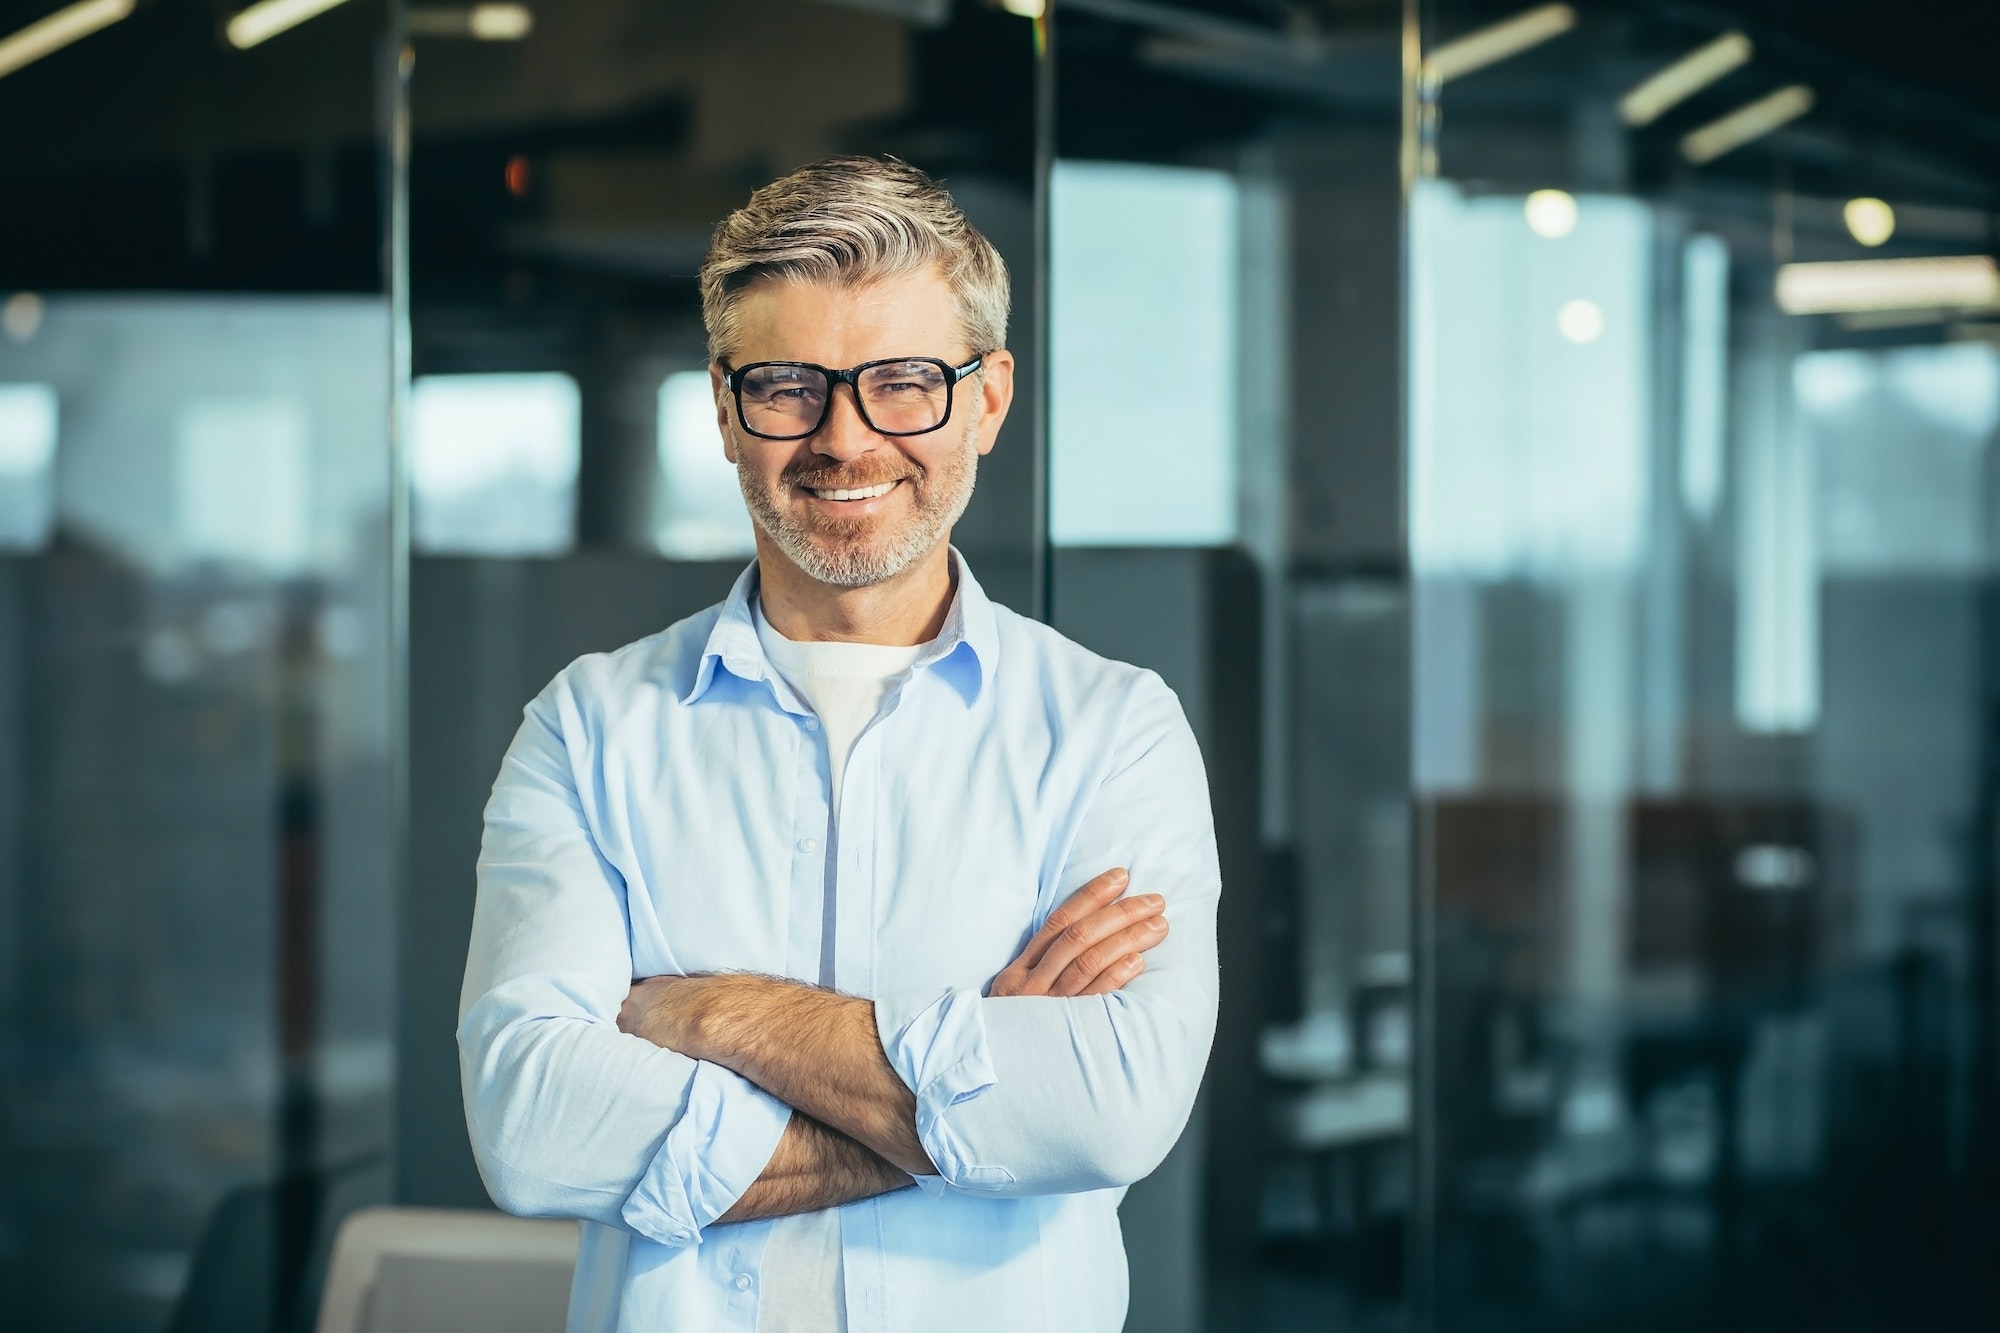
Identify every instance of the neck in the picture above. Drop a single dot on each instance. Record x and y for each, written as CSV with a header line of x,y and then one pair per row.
x,y
902,612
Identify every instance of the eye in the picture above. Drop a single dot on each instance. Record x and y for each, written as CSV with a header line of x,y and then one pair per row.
x,y
911,378
783,385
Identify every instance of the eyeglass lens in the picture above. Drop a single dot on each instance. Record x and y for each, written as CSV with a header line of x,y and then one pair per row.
x,y
897,398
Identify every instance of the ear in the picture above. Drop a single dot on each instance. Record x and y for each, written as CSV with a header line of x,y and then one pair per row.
x,y
996,394
722,422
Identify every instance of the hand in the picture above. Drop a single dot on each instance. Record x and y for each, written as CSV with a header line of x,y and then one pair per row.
x,y
666,1011
1095,943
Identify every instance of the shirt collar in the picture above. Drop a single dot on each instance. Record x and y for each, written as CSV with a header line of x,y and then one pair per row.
x,y
965,651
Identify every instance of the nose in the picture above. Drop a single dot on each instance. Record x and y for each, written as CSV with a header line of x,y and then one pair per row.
x,y
844,434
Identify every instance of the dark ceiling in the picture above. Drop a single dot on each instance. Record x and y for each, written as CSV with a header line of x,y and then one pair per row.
x,y
152,155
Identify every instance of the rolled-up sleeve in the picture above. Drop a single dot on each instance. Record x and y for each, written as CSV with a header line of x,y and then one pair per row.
x,y
570,1117
1025,1095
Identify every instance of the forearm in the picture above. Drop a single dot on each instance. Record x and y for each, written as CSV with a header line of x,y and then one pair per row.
x,y
813,1168
813,1049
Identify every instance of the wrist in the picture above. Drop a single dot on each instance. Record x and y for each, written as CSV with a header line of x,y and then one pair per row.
x,y
723,1021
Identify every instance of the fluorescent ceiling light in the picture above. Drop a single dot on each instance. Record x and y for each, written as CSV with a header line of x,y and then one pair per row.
x,y
1493,44
262,22
51,34
1746,123
501,23
1683,79
1963,282
486,23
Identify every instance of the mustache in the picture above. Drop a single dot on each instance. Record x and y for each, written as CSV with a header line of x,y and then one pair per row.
x,y
838,476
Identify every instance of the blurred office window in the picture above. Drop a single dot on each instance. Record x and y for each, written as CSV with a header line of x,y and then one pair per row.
x,y
240,481
29,414
1530,381
701,512
1900,441
493,464
1143,264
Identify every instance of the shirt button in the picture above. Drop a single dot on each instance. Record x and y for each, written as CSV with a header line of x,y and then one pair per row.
x,y
808,844
743,1282
809,723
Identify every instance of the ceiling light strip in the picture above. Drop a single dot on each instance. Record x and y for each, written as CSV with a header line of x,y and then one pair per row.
x,y
262,22
501,23
49,35
1500,41
1684,78
486,23
1959,282
1747,123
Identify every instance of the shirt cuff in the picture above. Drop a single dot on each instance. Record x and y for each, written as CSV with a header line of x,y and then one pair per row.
x,y
936,1043
715,1151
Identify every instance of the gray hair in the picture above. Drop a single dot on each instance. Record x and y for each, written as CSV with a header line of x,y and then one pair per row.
x,y
853,220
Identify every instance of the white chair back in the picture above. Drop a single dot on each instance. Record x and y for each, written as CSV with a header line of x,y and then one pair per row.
x,y
420,1270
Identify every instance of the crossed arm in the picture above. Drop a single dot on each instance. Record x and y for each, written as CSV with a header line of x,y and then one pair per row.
x,y
1045,1081
853,1130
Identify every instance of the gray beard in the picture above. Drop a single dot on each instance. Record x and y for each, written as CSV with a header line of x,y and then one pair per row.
x,y
843,559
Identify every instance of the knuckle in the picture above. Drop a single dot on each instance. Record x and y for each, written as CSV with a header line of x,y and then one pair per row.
x,y
1076,934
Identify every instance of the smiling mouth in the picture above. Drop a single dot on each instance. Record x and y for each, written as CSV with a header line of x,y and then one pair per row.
x,y
857,493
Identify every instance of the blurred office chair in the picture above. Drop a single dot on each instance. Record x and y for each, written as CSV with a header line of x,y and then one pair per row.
x,y
417,1270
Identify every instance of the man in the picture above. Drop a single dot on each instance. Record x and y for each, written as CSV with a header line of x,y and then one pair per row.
x,y
863,837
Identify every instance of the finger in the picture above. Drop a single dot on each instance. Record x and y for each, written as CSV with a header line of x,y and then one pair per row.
x,y
1135,938
1116,977
1093,929
1009,980
1100,891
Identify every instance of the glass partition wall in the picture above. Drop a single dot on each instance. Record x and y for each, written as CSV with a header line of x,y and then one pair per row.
x,y
196,660
1703,390
1225,507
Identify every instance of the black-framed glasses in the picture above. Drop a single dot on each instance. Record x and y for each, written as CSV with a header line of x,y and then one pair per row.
x,y
901,395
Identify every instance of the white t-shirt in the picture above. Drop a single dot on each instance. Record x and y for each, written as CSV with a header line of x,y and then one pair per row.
x,y
845,684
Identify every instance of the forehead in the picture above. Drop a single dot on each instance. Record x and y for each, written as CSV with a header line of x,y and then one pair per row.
x,y
840,324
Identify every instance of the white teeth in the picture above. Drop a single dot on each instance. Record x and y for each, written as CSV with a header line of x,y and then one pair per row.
x,y
868,493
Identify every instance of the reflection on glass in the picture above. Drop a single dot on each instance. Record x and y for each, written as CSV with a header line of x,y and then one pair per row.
x,y
493,464
1704,371
195,924
28,417
701,513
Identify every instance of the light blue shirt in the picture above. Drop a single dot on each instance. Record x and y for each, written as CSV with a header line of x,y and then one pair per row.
x,y
666,809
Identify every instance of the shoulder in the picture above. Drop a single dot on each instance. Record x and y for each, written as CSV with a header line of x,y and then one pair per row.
x,y
658,670
1077,685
